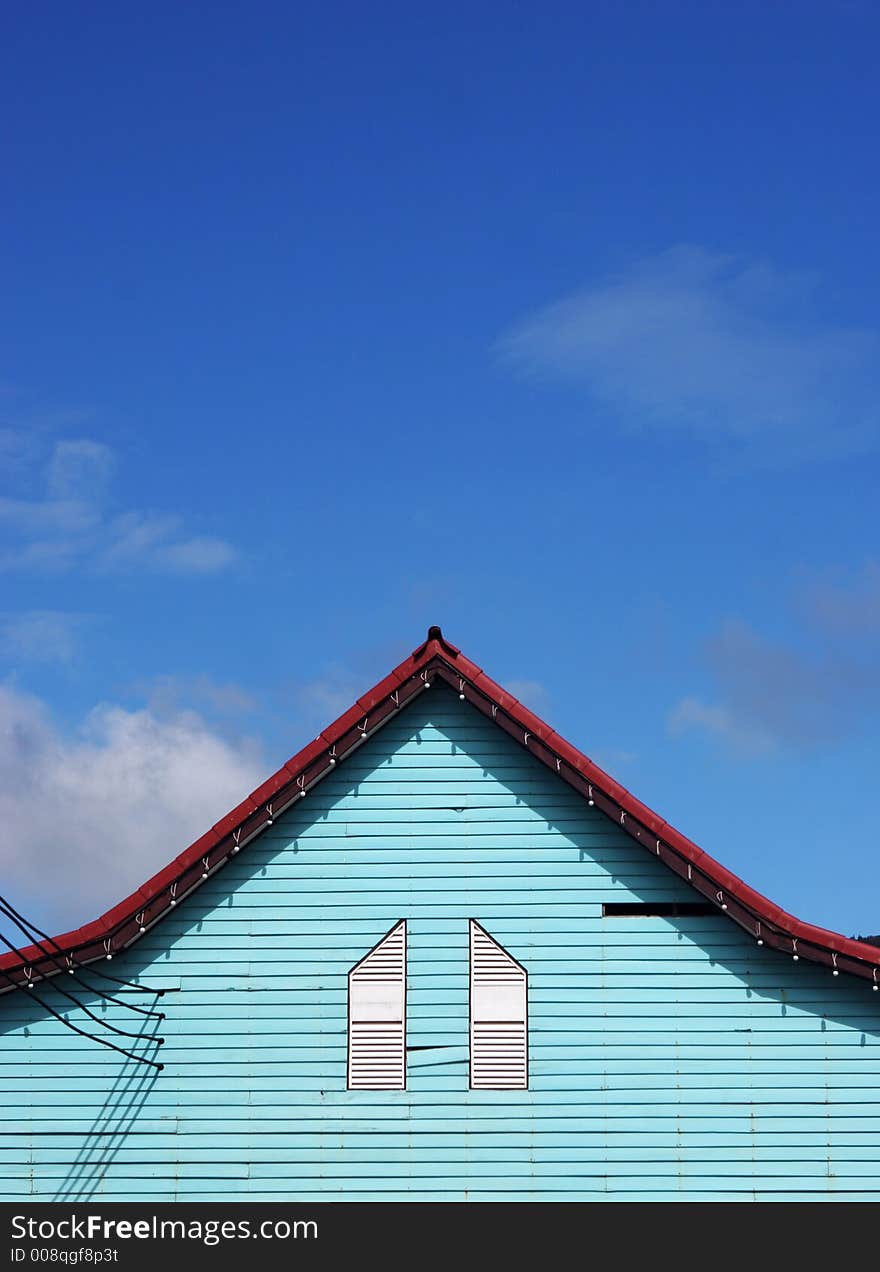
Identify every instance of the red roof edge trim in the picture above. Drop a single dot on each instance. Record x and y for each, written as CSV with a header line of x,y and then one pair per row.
x,y
436,658
754,909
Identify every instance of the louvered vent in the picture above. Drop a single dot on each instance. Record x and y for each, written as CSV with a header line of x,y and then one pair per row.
x,y
377,1016
499,1016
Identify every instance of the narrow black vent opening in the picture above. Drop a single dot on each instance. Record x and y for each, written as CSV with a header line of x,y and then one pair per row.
x,y
661,909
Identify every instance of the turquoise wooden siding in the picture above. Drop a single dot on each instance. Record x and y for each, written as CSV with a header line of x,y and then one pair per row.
x,y
668,1058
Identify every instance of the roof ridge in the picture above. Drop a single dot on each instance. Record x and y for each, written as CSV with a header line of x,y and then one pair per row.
x,y
437,657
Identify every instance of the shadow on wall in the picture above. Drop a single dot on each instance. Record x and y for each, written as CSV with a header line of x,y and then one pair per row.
x,y
128,1081
108,1132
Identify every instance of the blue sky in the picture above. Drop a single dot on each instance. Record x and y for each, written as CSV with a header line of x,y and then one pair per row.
x,y
552,324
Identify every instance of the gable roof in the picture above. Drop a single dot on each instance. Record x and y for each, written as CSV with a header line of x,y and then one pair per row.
x,y
437,659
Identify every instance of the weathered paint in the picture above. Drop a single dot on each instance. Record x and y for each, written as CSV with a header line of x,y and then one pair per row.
x,y
667,1058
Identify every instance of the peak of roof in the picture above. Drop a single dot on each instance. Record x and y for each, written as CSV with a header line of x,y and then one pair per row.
x,y
438,659
435,637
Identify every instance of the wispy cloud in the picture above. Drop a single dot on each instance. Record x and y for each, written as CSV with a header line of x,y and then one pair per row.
x,y
168,695
322,699
70,524
694,714
317,702
614,759
159,542
47,636
31,518
531,693
845,607
796,694
14,446
200,555
88,815
717,347
79,469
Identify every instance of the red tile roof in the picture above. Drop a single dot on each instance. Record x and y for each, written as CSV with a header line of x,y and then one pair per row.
x,y
436,658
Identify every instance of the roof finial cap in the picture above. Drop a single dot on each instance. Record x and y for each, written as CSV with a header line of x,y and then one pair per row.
x,y
435,634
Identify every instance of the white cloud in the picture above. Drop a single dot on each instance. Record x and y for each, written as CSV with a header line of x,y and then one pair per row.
x,y
714,346
69,525
88,817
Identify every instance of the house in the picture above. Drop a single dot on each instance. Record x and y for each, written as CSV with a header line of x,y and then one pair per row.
x,y
441,955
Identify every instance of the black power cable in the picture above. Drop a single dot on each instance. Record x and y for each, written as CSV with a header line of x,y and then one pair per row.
x,y
132,1055
20,923
18,919
124,1033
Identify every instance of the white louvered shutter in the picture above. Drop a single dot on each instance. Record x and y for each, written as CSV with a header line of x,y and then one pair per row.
x,y
377,1016
499,1016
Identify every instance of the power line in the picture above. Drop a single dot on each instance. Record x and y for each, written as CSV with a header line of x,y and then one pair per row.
x,y
132,1055
20,921
64,994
